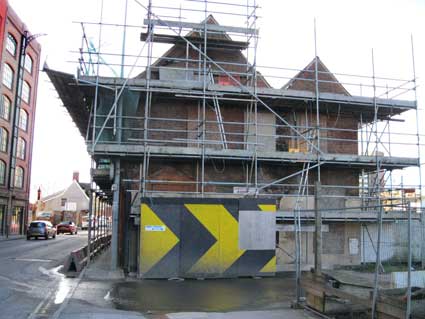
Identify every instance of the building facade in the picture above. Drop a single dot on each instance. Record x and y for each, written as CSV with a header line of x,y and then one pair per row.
x,y
19,69
202,125
69,204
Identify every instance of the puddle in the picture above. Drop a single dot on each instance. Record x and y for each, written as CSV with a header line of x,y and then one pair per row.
x,y
220,295
62,290
64,284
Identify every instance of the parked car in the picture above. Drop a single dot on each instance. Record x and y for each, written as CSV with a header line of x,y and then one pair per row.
x,y
41,228
67,227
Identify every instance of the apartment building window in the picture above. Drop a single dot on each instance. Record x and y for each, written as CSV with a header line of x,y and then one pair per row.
x,y
4,137
23,120
28,63
2,172
20,149
26,91
5,108
2,211
11,44
19,177
7,76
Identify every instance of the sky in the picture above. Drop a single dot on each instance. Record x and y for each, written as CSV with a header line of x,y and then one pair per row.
x,y
347,31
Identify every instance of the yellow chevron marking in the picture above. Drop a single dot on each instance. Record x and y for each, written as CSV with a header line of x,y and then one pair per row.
x,y
225,229
154,245
270,266
268,208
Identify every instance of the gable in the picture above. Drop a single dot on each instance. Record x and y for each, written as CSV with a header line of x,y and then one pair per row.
x,y
175,59
74,191
305,80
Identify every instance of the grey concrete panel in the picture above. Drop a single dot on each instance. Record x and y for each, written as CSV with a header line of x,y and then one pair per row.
x,y
257,230
175,74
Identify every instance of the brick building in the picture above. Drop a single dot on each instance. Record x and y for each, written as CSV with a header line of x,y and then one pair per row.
x,y
17,114
202,122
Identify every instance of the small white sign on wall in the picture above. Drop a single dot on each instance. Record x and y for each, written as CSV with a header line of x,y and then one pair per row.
x,y
155,228
71,206
353,245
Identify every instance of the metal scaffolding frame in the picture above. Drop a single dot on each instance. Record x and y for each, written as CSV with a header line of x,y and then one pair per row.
x,y
373,137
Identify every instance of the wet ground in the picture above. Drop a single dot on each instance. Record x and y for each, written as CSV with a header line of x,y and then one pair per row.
x,y
30,282
212,295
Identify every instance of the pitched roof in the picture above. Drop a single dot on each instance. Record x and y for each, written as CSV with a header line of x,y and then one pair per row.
x,y
53,195
61,192
179,50
216,35
305,80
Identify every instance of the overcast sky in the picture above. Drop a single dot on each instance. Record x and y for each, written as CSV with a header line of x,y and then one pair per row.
x,y
346,33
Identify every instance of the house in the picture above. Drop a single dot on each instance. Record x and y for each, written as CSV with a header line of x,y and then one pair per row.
x,y
201,126
69,204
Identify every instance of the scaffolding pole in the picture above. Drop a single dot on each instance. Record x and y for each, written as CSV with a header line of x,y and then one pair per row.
x,y
419,155
379,218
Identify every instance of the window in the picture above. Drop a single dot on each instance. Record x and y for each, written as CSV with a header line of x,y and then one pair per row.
x,y
11,44
5,108
19,177
20,149
23,120
28,63
7,76
2,209
2,172
26,90
63,202
4,137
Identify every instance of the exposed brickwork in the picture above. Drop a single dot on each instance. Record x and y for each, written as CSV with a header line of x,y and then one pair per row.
x,y
349,143
185,120
327,81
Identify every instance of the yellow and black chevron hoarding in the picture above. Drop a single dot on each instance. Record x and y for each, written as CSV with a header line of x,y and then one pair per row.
x,y
191,238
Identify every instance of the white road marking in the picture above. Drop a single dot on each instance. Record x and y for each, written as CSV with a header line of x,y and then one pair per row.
x,y
33,260
16,282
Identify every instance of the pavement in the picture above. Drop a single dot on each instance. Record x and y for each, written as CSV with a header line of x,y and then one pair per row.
x,y
11,237
102,293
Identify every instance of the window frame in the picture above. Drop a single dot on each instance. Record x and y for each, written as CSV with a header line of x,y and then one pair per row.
x,y
28,57
27,97
19,177
11,40
20,120
4,139
21,148
2,107
7,67
2,172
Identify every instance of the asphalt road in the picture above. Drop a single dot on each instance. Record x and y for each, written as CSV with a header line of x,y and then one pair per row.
x,y
31,285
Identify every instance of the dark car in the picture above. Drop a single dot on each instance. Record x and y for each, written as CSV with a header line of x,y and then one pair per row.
x,y
66,227
41,228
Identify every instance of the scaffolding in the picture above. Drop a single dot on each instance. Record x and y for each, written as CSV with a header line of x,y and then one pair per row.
x,y
285,142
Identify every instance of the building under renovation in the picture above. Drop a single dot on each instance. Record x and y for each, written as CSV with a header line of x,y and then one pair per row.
x,y
211,171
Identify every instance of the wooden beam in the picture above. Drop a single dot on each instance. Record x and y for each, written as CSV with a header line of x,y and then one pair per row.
x,y
200,26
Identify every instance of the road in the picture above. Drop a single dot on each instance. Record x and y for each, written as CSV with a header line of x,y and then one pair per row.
x,y
31,285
